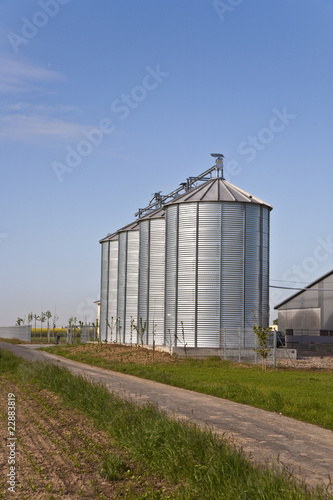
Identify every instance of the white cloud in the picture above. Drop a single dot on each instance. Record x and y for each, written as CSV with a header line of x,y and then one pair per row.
x,y
18,76
24,117
37,128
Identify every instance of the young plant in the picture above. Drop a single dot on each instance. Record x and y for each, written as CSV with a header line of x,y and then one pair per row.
x,y
183,337
154,333
118,330
142,330
111,326
263,338
168,341
182,340
132,328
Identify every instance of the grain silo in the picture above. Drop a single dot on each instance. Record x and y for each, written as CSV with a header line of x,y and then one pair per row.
x,y
152,277
217,249
119,284
193,269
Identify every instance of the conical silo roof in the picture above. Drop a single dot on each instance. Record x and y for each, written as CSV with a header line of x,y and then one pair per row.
x,y
154,214
218,189
128,227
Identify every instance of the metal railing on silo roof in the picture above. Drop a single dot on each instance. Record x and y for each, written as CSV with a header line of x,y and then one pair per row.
x,y
159,200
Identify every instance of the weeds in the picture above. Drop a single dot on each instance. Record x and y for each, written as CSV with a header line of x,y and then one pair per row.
x,y
113,468
296,394
197,462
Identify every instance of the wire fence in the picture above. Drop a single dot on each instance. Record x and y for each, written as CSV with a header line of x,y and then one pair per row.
x,y
234,347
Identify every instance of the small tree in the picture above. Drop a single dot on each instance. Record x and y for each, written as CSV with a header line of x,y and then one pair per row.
x,y
111,326
48,315
55,319
143,325
263,338
42,320
182,340
30,318
36,318
154,333
19,321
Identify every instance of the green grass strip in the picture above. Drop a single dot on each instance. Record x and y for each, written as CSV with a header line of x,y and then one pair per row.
x,y
301,394
199,462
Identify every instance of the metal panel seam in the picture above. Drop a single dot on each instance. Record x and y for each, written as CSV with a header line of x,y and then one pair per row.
x,y
148,281
107,294
196,278
177,267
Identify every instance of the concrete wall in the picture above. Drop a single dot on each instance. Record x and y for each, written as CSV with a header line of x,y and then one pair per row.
x,y
16,332
246,355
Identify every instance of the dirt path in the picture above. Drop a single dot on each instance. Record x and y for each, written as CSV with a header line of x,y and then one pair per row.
x,y
58,453
305,449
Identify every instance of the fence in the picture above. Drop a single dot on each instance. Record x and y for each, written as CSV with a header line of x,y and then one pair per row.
x,y
233,347
16,332
83,334
88,334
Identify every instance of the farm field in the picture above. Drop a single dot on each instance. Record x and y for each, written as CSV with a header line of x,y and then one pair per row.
x,y
302,393
60,454
76,440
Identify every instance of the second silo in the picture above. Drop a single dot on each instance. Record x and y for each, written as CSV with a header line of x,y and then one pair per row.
x,y
152,278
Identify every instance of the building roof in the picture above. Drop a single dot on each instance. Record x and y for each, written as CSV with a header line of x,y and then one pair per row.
x,y
302,290
218,189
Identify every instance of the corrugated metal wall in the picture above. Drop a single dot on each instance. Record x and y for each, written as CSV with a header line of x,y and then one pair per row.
x,y
132,273
265,266
253,275
157,280
209,270
104,290
142,319
216,273
112,291
171,274
187,275
122,278
128,272
232,272
151,279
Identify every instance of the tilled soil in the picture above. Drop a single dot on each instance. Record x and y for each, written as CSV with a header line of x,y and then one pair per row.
x,y
59,454
125,353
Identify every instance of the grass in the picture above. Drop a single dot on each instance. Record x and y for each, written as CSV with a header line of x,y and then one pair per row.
x,y
302,394
199,464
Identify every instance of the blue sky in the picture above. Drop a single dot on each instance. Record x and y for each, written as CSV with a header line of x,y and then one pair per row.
x,y
104,103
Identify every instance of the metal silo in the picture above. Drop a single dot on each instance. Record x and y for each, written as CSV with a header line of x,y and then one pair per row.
x,y
194,267
151,278
109,284
104,289
128,274
216,266
119,283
